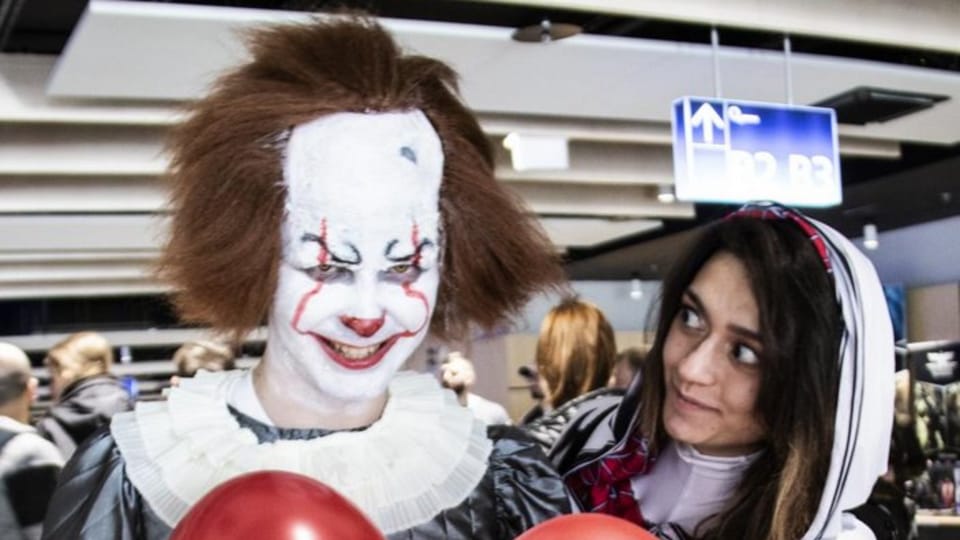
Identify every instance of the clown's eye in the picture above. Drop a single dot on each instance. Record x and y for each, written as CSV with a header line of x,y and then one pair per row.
x,y
326,272
402,272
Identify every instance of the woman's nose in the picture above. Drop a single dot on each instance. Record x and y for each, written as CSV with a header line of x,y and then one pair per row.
x,y
697,366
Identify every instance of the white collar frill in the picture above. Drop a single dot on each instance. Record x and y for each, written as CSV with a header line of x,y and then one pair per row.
x,y
425,454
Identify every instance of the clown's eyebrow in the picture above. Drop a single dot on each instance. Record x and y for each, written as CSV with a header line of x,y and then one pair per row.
x,y
355,259
405,258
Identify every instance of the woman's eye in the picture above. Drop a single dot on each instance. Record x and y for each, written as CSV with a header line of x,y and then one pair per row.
x,y
690,318
745,355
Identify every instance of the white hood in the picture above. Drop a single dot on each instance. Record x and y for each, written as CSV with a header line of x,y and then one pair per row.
x,y
865,402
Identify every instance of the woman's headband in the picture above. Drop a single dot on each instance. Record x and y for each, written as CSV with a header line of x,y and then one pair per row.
x,y
774,211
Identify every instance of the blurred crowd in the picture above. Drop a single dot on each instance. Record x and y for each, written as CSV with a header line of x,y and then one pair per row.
x,y
84,395
576,361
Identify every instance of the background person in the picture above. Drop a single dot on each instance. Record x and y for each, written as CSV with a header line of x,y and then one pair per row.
x,y
29,464
85,395
766,404
575,355
535,387
627,364
458,374
207,355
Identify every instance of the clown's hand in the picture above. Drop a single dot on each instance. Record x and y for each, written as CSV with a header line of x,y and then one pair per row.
x,y
457,374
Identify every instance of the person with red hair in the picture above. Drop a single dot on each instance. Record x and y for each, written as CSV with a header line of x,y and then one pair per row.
x,y
338,189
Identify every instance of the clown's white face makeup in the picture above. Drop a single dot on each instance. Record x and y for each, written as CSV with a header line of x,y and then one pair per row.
x,y
359,276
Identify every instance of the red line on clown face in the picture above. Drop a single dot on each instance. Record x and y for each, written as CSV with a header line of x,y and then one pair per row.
x,y
413,293
408,286
415,242
322,257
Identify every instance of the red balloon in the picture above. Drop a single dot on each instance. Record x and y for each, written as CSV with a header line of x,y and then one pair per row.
x,y
274,505
587,527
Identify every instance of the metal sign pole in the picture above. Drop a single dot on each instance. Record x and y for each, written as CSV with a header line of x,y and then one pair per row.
x,y
715,42
788,73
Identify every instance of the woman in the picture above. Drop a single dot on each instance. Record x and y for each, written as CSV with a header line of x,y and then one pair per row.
x,y
628,362
764,408
338,189
203,354
576,351
85,395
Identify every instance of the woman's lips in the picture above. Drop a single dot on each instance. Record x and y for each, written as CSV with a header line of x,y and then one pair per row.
x,y
355,358
687,403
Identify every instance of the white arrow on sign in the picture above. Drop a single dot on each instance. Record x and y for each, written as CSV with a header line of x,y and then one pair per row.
x,y
737,116
708,119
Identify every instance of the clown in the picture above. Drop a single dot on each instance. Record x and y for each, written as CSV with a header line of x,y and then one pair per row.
x,y
339,190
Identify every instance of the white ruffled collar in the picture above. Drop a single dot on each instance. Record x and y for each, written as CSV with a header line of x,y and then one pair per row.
x,y
425,454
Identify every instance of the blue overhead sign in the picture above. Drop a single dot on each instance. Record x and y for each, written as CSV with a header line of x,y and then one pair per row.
x,y
736,151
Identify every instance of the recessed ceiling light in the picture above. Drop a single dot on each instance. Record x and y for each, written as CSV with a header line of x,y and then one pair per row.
x,y
545,32
870,239
665,194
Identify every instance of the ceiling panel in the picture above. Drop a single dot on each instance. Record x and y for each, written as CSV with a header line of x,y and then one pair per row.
x,y
579,232
125,50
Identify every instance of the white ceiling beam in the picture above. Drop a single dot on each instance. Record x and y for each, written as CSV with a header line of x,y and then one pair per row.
x,y
585,232
596,163
82,233
612,201
70,289
106,196
76,272
127,151
81,149
23,98
921,24
87,255
23,101
125,50
81,194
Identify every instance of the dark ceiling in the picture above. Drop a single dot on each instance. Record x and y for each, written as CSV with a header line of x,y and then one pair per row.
x,y
921,186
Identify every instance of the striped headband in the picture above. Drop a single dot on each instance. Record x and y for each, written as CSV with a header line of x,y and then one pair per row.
x,y
774,211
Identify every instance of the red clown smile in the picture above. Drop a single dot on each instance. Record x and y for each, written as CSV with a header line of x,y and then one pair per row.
x,y
353,357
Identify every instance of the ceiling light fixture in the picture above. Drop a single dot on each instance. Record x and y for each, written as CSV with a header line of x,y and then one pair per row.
x,y
545,32
870,239
636,289
665,194
537,152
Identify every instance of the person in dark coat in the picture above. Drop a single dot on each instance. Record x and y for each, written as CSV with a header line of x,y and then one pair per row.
x,y
85,395
576,351
29,464
337,188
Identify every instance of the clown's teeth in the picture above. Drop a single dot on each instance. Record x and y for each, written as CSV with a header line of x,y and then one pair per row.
x,y
354,353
